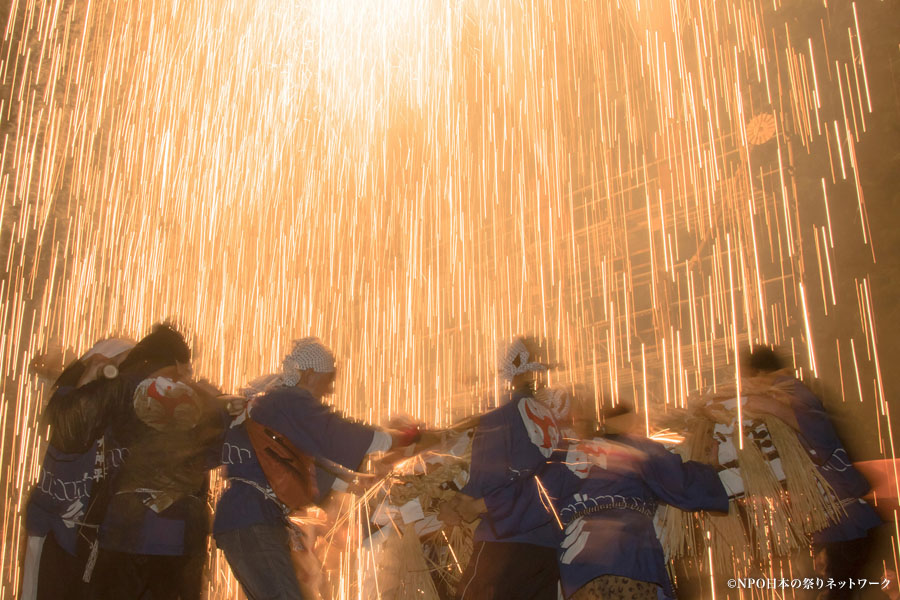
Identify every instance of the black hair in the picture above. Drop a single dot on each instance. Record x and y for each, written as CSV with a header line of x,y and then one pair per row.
x,y
163,347
70,375
763,359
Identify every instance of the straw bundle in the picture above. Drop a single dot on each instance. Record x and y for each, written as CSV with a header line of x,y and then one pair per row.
x,y
677,533
679,528
728,540
433,477
683,532
443,471
404,573
428,487
460,544
773,529
462,539
771,518
812,499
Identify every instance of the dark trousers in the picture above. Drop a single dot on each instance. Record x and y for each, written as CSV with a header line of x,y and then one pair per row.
x,y
510,571
60,573
124,576
260,558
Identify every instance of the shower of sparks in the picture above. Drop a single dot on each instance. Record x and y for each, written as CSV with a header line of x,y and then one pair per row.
x,y
415,182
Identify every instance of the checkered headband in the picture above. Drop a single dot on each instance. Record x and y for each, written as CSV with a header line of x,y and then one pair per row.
x,y
307,353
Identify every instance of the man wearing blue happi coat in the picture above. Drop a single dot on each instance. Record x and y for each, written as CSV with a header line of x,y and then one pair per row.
x,y
510,443
251,525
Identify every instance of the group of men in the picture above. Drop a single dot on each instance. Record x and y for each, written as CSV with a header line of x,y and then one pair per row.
x,y
564,507
580,510
120,509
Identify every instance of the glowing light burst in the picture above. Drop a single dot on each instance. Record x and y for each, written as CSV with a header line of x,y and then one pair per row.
x,y
414,182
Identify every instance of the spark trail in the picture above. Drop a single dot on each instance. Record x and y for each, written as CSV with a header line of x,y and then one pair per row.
x,y
415,182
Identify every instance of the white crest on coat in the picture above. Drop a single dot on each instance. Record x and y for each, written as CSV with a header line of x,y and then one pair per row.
x,y
574,542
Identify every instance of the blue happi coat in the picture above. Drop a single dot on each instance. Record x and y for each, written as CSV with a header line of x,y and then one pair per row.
x,y
821,441
62,492
603,493
311,426
510,444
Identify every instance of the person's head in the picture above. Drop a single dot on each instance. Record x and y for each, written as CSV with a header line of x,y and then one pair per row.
x,y
310,366
111,351
521,366
163,347
761,359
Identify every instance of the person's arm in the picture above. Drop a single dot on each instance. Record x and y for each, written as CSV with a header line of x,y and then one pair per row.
x,y
313,426
815,427
761,406
687,485
232,404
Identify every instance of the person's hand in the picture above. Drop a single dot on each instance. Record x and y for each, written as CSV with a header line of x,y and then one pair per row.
x,y
234,404
470,508
447,513
405,436
461,508
406,431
